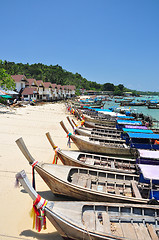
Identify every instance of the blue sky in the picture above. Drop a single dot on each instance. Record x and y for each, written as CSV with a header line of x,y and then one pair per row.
x,y
113,41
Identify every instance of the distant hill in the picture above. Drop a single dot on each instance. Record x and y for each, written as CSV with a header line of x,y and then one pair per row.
x,y
56,74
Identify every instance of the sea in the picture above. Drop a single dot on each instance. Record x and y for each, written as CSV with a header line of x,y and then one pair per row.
x,y
154,113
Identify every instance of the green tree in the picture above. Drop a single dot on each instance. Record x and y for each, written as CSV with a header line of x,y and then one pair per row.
x,y
117,91
6,81
108,87
121,87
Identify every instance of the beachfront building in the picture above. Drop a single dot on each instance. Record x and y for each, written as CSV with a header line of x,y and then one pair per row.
x,y
40,88
67,91
20,82
29,94
59,91
72,89
47,93
54,91
64,92
32,83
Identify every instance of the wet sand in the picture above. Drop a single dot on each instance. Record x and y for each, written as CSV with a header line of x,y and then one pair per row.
x,y
31,123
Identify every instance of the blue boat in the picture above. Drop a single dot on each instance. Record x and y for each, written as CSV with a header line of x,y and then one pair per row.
x,y
133,130
149,174
147,157
121,123
142,140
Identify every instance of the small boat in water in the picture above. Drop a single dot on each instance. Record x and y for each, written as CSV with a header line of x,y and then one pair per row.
x,y
97,221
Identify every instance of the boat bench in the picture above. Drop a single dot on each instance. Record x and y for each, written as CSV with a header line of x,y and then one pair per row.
x,y
135,189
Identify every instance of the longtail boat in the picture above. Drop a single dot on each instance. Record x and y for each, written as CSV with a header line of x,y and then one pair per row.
x,y
100,162
143,140
97,221
81,129
107,121
98,125
96,185
96,145
89,132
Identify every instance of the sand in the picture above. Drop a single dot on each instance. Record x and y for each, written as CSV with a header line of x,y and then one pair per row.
x,y
31,123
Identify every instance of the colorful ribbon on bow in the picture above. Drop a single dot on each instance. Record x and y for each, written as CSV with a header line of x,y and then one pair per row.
x,y
38,213
69,139
82,123
33,174
55,156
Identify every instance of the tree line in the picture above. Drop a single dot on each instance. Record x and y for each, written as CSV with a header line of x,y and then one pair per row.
x,y
54,74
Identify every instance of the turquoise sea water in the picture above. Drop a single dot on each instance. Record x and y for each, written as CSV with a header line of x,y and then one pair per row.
x,y
154,113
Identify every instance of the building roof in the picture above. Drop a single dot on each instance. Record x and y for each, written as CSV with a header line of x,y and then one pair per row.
x,y
70,87
47,84
54,85
63,87
32,81
18,78
29,91
40,82
59,86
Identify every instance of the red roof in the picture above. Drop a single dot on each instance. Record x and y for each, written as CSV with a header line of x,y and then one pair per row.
x,y
54,85
47,84
64,87
59,86
29,91
18,78
39,82
31,80
70,87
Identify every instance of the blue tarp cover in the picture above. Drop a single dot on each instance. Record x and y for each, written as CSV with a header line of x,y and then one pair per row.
x,y
136,130
143,135
104,110
129,122
128,117
149,171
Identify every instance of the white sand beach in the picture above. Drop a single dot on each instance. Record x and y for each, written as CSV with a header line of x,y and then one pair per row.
x,y
31,123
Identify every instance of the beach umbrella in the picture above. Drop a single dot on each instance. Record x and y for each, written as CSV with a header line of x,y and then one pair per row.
x,y
5,96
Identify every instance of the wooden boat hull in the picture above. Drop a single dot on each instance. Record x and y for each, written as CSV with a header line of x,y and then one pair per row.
x,y
88,146
83,132
94,125
126,165
97,221
93,229
99,121
63,187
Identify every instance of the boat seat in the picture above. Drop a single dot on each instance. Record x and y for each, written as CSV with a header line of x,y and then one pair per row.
x,y
89,220
152,231
112,165
135,189
117,191
128,230
125,146
89,161
75,178
106,223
